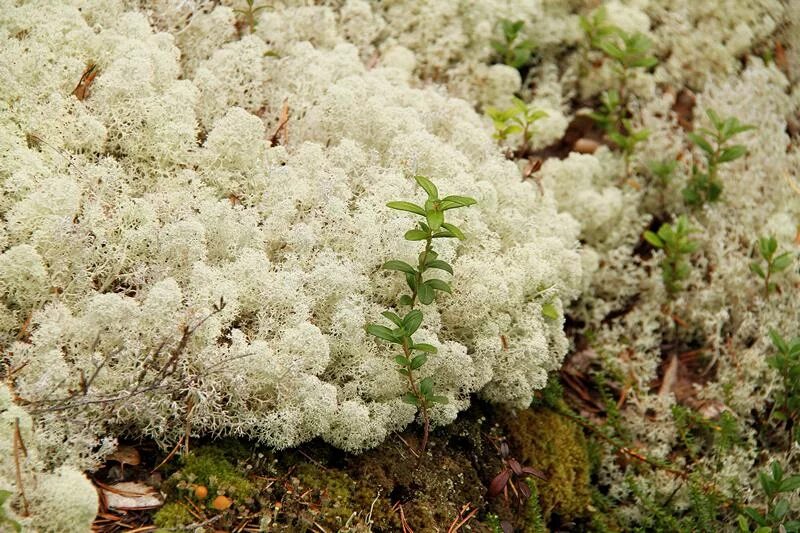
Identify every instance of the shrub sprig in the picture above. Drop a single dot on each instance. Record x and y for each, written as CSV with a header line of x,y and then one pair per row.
x,y
423,289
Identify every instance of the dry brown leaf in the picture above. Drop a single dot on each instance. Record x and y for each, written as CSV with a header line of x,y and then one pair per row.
x,y
81,91
670,377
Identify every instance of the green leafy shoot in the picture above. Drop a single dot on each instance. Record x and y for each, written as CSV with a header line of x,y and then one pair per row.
x,y
513,51
249,13
517,119
663,171
704,185
627,139
786,406
423,287
620,130
778,515
627,51
699,434
770,264
675,240
596,27
609,115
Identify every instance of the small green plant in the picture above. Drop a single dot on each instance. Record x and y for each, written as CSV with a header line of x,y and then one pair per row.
x,y
423,289
663,171
249,13
776,516
620,130
704,186
597,28
675,240
516,119
696,432
628,51
773,264
514,52
786,406
610,113
627,139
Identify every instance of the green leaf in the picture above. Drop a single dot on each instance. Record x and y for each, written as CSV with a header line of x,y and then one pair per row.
x,y
767,247
790,484
402,360
382,332
411,279
427,348
645,62
405,299
441,265
458,201
701,142
402,266
412,321
425,294
754,515
411,399
756,269
426,386
777,471
653,239
781,262
407,206
393,317
418,361
430,188
454,230
714,118
439,285
734,152
435,219
549,311
611,49
415,235
780,508
778,341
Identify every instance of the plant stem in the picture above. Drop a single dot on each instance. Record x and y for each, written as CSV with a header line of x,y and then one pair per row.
x,y
423,404
407,352
421,268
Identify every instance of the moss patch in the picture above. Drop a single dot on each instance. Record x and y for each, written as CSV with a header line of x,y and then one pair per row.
x,y
173,515
545,440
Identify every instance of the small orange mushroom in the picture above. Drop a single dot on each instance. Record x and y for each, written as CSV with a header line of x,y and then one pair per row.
x,y
221,503
200,492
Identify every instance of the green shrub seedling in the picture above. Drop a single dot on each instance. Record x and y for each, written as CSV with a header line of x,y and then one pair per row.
x,y
423,289
677,245
704,186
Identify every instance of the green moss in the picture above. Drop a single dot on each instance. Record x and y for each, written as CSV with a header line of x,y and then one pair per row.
x,y
534,522
209,466
173,516
545,440
344,498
